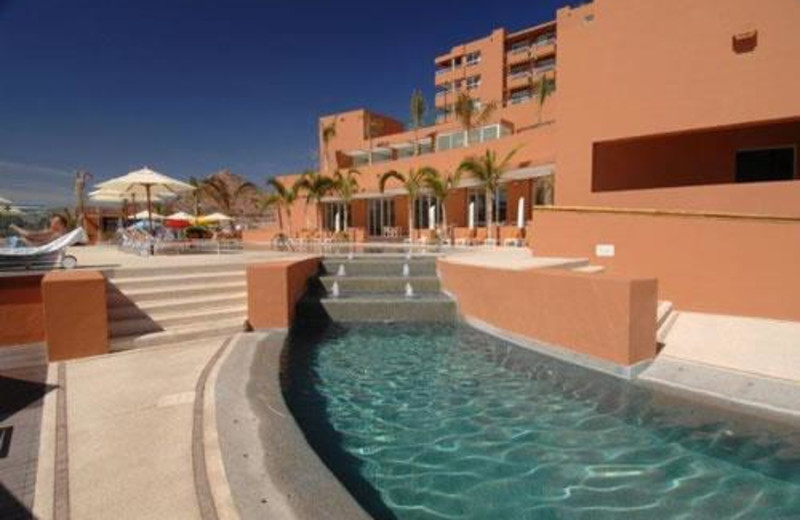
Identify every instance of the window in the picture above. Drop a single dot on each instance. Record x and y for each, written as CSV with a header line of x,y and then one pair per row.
x,y
473,82
360,160
545,39
490,133
426,147
519,47
764,165
329,211
422,206
473,58
478,197
379,156
404,152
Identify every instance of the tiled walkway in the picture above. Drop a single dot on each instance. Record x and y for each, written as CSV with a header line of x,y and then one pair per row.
x,y
21,395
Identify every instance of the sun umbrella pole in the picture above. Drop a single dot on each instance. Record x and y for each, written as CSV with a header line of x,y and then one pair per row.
x,y
149,208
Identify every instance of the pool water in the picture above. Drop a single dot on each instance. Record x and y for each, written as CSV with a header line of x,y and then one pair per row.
x,y
445,422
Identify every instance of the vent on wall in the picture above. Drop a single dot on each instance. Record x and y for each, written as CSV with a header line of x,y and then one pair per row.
x,y
744,42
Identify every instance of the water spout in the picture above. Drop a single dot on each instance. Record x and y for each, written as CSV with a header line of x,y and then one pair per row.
x,y
409,291
335,289
341,271
406,270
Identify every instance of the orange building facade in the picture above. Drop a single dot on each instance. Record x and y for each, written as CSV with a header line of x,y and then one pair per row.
x,y
662,110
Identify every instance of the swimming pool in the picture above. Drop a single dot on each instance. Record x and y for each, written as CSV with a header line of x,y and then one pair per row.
x,y
443,421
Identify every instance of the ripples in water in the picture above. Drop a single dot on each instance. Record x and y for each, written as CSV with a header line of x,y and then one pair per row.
x,y
446,422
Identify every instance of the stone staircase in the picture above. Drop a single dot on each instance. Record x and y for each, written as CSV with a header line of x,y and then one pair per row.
x,y
372,288
665,319
153,307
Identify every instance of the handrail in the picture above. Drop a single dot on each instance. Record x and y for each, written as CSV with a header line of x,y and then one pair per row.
x,y
668,213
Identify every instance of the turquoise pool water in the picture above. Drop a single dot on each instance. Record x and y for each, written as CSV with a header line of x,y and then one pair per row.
x,y
445,422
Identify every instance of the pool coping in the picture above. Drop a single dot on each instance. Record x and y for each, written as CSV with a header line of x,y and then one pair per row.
x,y
272,471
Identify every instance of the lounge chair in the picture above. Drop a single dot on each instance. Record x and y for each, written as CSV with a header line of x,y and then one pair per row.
x,y
47,256
512,236
463,236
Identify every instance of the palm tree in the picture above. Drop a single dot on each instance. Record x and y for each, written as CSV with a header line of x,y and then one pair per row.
x,y
197,194
266,202
470,115
442,186
316,186
81,178
418,109
489,171
346,186
224,195
328,133
284,197
544,88
412,182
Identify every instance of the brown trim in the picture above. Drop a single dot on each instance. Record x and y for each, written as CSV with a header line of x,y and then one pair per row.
x,y
667,213
61,509
202,486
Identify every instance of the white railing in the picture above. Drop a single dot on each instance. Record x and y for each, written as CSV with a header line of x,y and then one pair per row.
x,y
517,50
520,99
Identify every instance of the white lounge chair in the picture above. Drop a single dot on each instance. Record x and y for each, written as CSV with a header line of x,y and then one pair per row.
x,y
47,256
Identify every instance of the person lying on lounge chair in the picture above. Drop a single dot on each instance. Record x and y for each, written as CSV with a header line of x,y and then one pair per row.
x,y
58,226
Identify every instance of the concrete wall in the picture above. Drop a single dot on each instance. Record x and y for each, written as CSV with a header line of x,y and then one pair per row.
x,y
75,315
732,266
686,159
273,290
608,317
631,68
21,310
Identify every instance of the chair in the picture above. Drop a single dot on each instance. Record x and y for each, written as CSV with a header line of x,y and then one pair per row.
x,y
512,236
47,256
463,236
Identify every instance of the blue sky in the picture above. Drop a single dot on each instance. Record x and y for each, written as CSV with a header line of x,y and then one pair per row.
x,y
192,86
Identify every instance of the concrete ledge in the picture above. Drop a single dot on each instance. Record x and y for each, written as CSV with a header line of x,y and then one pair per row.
x,y
272,471
610,318
273,290
774,398
75,315
561,353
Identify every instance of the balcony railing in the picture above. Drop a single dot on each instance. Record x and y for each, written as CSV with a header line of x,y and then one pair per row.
x,y
519,75
542,43
520,99
517,50
439,72
544,68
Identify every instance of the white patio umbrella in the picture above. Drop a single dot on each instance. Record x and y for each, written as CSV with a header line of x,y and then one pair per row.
x,y
181,215
147,215
215,217
152,182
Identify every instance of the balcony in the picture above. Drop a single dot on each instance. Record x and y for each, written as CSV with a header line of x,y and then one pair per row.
x,y
543,69
516,58
517,100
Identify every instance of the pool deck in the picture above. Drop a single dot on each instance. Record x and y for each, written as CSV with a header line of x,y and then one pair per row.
x,y
117,433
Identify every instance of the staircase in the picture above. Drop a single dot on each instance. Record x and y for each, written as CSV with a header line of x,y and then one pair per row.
x,y
153,307
373,289
665,319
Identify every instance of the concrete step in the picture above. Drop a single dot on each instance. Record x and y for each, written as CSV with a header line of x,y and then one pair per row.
x,y
381,284
378,308
23,356
177,305
158,321
665,327
663,311
179,334
380,267
168,292
176,270
192,279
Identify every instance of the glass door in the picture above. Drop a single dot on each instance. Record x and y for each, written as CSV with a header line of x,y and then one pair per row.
x,y
380,215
